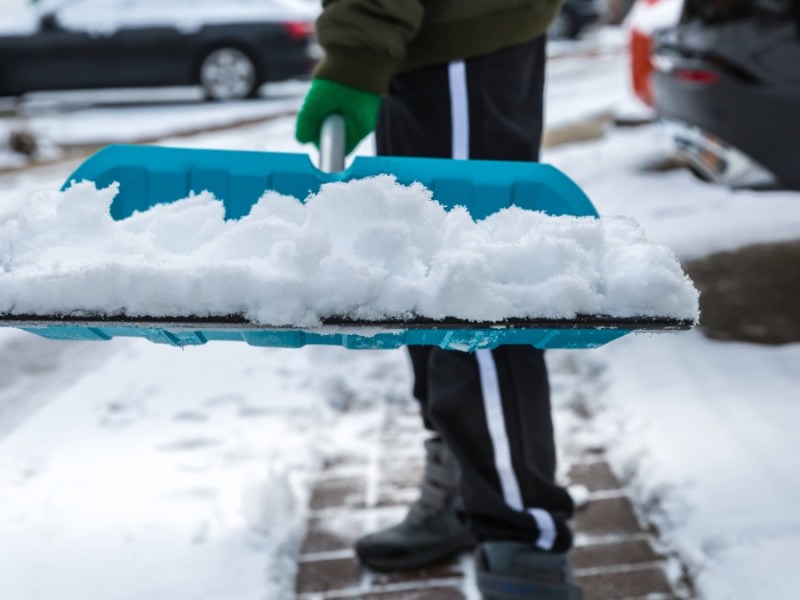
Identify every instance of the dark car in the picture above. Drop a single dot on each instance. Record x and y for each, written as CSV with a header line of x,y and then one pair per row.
x,y
728,78
229,48
574,17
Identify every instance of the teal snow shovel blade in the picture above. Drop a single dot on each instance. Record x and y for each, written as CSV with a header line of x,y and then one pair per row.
x,y
150,175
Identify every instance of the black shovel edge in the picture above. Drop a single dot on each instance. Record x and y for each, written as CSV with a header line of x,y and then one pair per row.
x,y
240,322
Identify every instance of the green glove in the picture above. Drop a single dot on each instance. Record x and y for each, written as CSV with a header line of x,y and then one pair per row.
x,y
358,108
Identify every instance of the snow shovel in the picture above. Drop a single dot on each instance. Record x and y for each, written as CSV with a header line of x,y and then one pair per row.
x,y
152,175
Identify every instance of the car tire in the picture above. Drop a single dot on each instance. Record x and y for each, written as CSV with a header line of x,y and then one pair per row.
x,y
228,74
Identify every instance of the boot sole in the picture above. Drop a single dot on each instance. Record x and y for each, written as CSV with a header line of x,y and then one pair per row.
x,y
417,560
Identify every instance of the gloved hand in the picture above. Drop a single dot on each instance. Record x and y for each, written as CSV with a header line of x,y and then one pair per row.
x,y
358,108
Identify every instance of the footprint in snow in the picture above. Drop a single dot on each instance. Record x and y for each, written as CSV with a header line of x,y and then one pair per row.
x,y
121,413
189,444
190,416
232,399
250,411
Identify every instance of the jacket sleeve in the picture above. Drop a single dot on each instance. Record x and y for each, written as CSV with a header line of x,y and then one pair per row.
x,y
365,40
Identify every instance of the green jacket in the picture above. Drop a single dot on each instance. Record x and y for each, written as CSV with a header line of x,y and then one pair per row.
x,y
367,41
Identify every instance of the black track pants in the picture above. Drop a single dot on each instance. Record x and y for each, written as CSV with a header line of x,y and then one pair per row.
x,y
491,408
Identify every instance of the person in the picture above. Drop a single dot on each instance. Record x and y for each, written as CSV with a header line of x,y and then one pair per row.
x,y
459,79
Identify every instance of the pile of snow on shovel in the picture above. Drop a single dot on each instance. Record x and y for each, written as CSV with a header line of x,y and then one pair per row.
x,y
368,249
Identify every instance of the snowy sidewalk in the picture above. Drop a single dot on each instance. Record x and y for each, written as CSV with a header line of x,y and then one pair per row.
x,y
65,130
614,556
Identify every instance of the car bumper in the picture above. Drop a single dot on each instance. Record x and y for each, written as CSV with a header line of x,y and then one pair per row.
x,y
717,161
759,122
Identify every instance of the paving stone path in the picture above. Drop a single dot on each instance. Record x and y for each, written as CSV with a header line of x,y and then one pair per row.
x,y
614,558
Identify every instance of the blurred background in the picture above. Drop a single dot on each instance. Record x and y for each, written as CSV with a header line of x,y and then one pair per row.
x,y
132,467
179,66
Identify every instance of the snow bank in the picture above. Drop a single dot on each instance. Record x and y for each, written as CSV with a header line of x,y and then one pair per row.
x,y
368,249
706,435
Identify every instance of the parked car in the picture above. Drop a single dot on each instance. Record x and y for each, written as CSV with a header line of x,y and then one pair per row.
x,y
728,78
574,17
229,48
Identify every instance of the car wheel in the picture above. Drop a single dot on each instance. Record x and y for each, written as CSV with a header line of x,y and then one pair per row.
x,y
228,74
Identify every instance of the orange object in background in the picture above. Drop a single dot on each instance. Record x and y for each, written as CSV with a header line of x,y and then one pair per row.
x,y
641,47
645,19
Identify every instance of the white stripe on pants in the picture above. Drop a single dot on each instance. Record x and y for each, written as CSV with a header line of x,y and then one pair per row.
x,y
495,420
459,109
490,386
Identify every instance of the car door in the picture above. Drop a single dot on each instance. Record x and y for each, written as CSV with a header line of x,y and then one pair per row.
x,y
156,41
72,48
101,43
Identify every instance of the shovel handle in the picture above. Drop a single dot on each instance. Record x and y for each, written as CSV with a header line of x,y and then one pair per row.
x,y
331,144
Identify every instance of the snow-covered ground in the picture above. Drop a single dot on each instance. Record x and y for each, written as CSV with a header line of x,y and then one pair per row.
x,y
130,470
12,7
127,116
704,431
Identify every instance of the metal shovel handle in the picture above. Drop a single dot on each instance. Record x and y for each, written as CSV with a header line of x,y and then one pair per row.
x,y
331,144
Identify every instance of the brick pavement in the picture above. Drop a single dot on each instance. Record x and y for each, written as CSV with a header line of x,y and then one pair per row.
x,y
614,558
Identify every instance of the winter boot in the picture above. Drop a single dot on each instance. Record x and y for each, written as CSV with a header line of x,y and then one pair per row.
x,y
431,531
517,571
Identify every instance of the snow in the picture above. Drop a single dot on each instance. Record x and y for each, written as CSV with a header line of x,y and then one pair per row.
x,y
363,249
692,218
566,99
649,17
105,17
51,119
704,431
709,438
18,23
12,6
185,478
187,16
